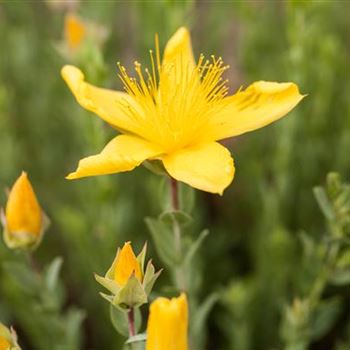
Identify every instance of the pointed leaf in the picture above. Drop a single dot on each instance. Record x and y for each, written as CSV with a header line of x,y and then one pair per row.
x,y
195,246
163,239
51,274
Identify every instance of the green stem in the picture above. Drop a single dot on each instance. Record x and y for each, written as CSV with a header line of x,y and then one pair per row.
x,y
131,325
131,322
180,275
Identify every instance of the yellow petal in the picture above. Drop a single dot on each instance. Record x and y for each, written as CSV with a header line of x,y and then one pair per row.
x,y
259,105
178,59
23,212
168,324
126,265
110,105
208,167
123,153
4,344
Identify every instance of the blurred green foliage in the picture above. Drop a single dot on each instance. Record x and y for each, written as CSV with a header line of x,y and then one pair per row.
x,y
256,256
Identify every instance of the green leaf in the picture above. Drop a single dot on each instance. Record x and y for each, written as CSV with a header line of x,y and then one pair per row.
x,y
341,273
323,202
119,320
51,273
324,317
195,246
334,184
27,279
163,240
202,313
169,217
73,322
340,277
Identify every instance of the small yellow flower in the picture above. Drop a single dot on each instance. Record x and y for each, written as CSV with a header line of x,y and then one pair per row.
x,y
4,343
74,31
176,112
24,222
128,280
126,265
8,339
168,324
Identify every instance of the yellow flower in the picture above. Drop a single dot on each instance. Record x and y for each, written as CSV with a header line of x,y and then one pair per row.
x,y
126,264
24,222
4,344
168,324
176,112
8,339
128,279
74,31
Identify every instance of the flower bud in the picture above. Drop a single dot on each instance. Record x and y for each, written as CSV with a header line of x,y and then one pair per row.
x,y
74,31
128,280
8,339
167,327
24,222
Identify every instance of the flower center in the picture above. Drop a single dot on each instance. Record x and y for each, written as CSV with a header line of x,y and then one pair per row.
x,y
174,100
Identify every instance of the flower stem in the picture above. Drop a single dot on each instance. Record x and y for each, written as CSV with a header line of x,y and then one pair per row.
x,y
180,277
131,322
174,194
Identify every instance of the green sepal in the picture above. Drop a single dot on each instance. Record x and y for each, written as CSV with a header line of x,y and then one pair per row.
x,y
107,297
110,272
25,241
155,166
142,257
108,283
137,338
150,277
131,295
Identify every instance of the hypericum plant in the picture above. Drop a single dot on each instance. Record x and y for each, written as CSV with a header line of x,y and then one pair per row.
x,y
171,118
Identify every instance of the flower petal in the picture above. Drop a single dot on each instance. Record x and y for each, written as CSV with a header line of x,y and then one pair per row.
x,y
123,153
178,60
110,105
259,105
208,167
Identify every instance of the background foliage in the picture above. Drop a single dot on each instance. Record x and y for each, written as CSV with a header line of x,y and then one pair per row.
x,y
256,256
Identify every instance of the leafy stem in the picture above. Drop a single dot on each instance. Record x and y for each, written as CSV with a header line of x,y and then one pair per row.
x,y
180,277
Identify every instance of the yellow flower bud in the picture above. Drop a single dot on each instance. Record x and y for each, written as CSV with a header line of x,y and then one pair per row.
x,y
126,264
168,324
74,31
129,280
8,339
4,343
24,221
